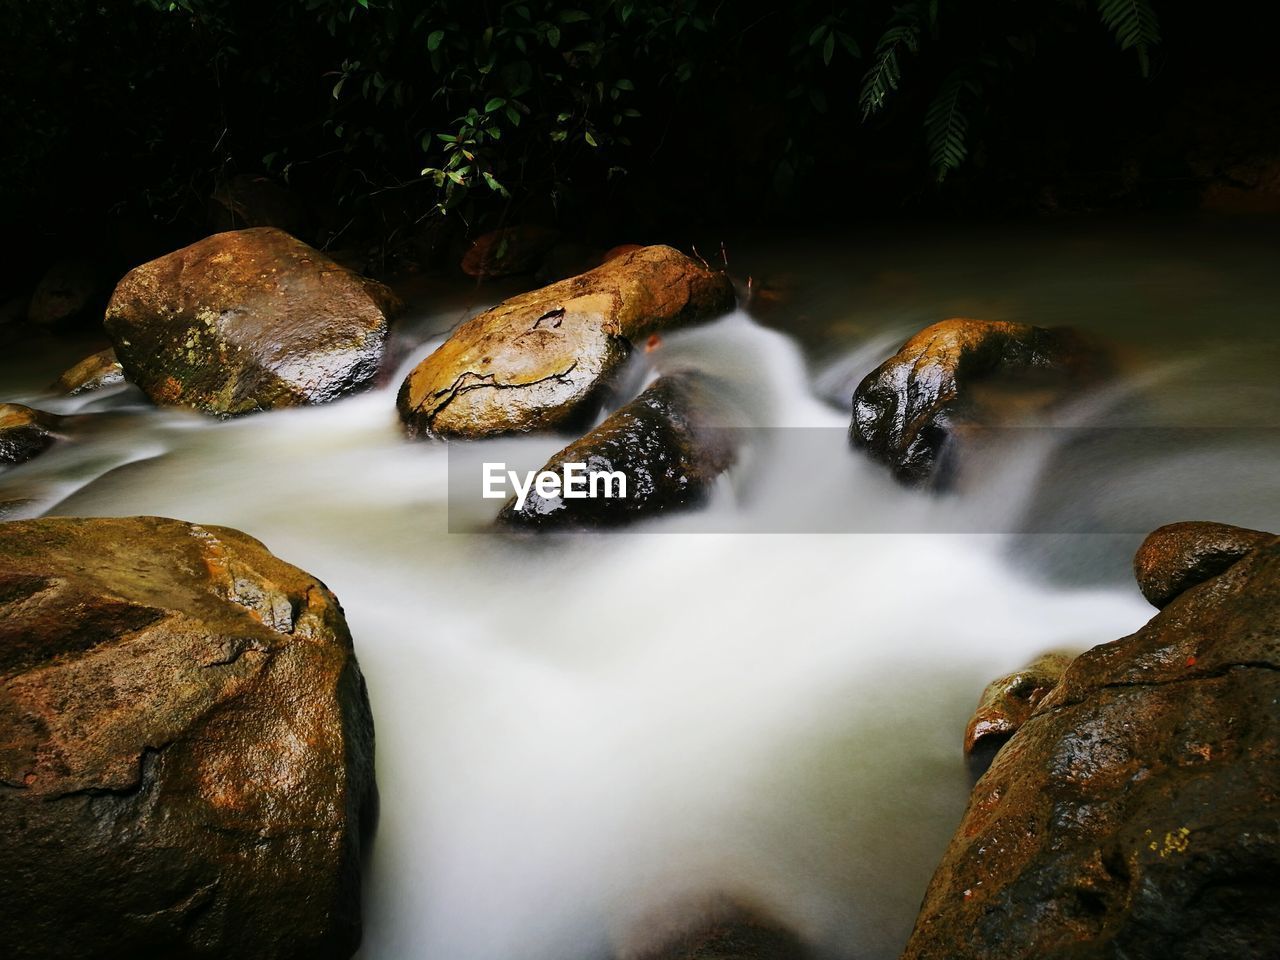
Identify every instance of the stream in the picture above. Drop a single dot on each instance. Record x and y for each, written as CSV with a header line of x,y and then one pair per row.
x,y
762,700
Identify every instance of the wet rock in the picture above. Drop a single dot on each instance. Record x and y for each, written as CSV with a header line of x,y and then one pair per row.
x,y
511,250
621,250
716,928
670,444
24,432
246,321
247,200
1177,556
70,289
1005,705
1134,814
186,749
909,412
545,359
94,372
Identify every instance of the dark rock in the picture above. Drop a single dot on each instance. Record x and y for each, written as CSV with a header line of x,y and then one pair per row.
x,y
908,413
1005,705
670,443
246,321
246,200
186,749
545,359
716,928
508,251
24,432
1177,556
94,372
70,289
1136,813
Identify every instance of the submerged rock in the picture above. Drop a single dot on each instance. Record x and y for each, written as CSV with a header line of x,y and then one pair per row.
x,y
710,928
1134,814
908,411
94,372
186,748
546,358
24,432
1177,556
670,444
1005,705
246,321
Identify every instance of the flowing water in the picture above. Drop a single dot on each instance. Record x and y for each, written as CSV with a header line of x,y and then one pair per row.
x,y
577,731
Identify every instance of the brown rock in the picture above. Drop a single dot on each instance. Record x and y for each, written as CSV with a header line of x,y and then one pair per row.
x,y
508,251
94,372
710,928
246,321
670,443
1177,556
70,289
1136,813
186,749
24,432
909,411
545,359
1006,703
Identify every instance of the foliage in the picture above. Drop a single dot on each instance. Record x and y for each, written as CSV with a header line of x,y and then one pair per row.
x,y
390,112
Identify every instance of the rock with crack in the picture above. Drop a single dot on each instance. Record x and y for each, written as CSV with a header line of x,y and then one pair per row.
x,y
94,372
670,444
186,748
246,321
24,432
1136,812
910,412
545,359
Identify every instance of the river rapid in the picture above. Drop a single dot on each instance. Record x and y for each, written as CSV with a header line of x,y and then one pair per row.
x,y
762,700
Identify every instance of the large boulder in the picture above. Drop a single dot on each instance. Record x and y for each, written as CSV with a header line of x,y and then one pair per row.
x,y
186,749
94,372
24,432
245,321
910,410
670,443
545,359
1136,812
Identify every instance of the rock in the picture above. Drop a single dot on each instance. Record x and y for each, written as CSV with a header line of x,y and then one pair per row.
x,y
669,443
621,250
1177,556
908,412
69,290
710,928
94,372
246,321
186,749
545,359
1005,705
511,250
1135,812
24,432
247,200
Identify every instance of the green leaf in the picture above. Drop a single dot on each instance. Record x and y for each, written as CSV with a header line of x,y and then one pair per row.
x,y
553,36
624,84
434,39
829,48
513,115
496,103
1135,26
946,124
574,16
591,141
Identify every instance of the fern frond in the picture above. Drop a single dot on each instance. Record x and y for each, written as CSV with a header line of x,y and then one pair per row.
x,y
946,124
885,74
1135,26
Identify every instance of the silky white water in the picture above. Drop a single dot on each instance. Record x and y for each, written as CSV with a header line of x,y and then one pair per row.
x,y
575,732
